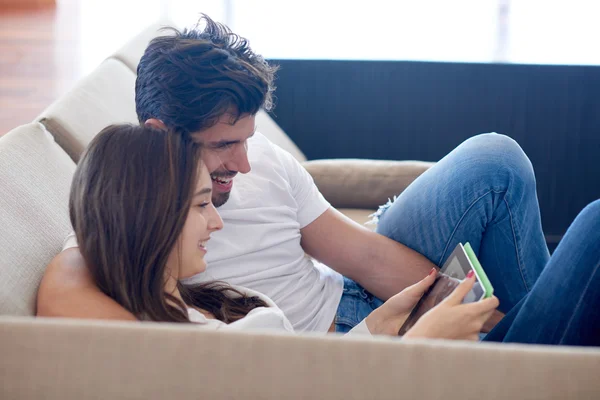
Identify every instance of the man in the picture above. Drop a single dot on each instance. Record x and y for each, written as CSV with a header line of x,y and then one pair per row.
x,y
208,83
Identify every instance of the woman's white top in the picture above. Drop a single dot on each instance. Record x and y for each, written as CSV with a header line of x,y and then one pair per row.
x,y
260,318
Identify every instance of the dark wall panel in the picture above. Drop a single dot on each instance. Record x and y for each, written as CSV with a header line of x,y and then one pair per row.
x,y
420,110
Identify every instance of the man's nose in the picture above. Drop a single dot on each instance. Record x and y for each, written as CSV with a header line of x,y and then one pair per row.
x,y
239,161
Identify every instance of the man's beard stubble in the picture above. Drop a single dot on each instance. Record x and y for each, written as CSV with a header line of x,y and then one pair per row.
x,y
219,199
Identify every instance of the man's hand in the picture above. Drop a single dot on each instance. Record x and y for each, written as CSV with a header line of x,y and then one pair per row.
x,y
68,290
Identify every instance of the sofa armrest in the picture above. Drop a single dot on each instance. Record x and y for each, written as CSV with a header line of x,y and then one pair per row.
x,y
74,359
357,183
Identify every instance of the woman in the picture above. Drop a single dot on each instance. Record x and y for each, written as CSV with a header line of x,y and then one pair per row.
x,y
142,219
141,209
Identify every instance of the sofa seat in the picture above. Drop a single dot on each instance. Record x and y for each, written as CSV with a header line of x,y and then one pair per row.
x,y
56,359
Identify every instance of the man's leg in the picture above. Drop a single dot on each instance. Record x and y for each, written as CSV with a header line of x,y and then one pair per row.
x,y
484,193
564,305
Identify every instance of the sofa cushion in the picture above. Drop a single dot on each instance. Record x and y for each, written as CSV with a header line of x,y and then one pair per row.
x,y
35,181
104,97
357,183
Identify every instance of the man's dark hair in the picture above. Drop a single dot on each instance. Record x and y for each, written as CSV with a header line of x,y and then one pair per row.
x,y
190,79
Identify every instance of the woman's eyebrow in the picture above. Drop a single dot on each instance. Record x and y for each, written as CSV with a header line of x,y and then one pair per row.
x,y
203,191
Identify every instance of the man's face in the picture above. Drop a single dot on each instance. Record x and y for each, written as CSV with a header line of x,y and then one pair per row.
x,y
225,153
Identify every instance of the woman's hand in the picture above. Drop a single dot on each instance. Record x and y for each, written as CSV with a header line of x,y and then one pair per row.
x,y
453,320
388,318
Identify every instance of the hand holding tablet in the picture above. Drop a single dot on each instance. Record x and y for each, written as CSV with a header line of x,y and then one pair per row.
x,y
455,270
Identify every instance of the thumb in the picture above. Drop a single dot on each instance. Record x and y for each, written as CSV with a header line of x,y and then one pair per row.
x,y
457,296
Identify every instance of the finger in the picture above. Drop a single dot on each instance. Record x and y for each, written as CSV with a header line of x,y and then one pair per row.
x,y
457,296
419,288
479,308
470,333
476,326
485,306
486,316
473,338
479,321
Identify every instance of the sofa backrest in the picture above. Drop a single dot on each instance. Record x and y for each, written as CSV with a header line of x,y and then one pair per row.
x,y
132,51
104,97
34,185
268,127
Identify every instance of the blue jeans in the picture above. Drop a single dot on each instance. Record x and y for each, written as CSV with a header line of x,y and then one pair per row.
x,y
355,305
563,306
484,193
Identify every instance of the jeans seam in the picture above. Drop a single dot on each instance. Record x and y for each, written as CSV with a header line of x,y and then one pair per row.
x,y
578,304
343,321
517,251
511,227
458,224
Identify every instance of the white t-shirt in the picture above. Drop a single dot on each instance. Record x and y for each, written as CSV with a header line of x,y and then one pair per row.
x,y
259,246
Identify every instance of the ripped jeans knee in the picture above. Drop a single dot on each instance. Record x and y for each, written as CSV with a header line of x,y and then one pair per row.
x,y
376,216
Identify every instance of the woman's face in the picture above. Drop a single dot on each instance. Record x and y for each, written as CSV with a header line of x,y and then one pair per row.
x,y
187,257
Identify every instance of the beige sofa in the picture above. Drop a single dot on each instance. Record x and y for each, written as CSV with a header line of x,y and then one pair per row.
x,y
75,359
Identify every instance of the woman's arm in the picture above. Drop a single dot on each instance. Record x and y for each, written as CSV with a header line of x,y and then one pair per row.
x,y
68,290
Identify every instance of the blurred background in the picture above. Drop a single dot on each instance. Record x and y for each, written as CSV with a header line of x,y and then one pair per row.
x,y
365,79
62,40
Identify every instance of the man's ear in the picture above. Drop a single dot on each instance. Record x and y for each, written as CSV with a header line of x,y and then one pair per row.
x,y
155,123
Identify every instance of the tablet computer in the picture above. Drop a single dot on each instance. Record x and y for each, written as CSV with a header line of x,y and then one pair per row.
x,y
454,271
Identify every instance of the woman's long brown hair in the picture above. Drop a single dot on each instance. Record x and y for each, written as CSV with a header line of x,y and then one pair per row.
x,y
130,197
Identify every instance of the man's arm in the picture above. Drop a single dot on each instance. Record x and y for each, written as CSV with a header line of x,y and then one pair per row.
x,y
381,265
68,290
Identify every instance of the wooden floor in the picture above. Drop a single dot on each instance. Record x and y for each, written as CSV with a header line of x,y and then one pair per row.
x,y
30,79
45,50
